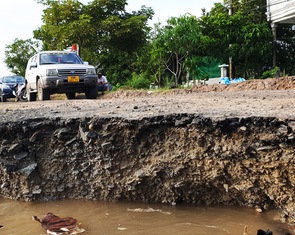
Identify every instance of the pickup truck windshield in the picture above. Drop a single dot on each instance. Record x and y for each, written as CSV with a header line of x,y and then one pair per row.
x,y
59,58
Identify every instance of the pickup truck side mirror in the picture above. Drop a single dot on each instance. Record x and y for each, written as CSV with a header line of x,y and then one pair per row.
x,y
86,62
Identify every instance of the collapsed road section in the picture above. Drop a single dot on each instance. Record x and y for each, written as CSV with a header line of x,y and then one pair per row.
x,y
175,158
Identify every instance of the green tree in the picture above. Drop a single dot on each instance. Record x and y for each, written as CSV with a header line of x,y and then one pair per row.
x,y
176,43
119,39
64,24
245,35
285,48
18,53
109,37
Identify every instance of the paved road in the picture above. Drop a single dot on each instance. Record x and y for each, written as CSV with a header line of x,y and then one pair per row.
x,y
280,104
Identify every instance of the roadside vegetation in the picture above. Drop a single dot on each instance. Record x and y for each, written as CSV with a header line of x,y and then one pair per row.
x,y
134,54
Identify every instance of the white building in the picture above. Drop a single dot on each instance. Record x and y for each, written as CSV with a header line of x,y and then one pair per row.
x,y
281,11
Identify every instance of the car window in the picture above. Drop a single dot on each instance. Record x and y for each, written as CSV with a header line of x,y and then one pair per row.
x,y
48,59
8,79
31,62
19,79
59,58
69,59
13,79
34,59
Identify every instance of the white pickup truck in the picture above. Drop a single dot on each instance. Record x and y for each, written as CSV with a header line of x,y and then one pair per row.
x,y
50,72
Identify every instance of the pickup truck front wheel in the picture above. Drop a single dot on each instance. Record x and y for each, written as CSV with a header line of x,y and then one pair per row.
x,y
91,93
43,94
31,96
70,95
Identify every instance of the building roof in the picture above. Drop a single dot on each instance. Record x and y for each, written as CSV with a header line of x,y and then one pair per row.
x,y
281,11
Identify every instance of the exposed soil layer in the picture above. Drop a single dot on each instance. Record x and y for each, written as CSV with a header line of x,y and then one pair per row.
x,y
228,146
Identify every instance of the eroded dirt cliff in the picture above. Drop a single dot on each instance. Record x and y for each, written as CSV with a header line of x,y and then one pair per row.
x,y
231,148
168,159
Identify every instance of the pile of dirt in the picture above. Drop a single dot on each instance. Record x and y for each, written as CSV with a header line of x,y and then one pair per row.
x,y
280,83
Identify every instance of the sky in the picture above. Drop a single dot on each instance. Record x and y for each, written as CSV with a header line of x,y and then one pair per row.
x,y
19,18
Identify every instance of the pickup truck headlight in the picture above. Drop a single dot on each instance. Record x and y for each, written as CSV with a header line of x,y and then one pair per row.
x,y
51,72
90,71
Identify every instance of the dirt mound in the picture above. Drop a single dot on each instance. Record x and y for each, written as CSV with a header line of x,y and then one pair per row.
x,y
281,83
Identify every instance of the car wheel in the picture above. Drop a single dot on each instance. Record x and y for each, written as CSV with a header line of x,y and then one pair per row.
x,y
31,96
3,98
71,95
91,93
43,94
23,95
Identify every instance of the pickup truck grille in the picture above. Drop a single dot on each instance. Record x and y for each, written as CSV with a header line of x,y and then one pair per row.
x,y
71,72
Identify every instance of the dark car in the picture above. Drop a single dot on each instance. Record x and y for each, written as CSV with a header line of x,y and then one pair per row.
x,y
8,84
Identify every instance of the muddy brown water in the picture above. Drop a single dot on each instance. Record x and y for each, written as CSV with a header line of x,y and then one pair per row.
x,y
127,218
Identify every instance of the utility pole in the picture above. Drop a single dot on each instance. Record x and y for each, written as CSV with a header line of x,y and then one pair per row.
x,y
230,59
230,8
274,46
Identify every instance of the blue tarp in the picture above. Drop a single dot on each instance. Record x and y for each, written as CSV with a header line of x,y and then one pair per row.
x,y
227,81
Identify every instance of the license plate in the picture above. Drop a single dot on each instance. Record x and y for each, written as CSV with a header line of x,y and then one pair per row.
x,y
73,79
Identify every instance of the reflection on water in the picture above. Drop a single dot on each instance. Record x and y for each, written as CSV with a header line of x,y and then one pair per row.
x,y
106,218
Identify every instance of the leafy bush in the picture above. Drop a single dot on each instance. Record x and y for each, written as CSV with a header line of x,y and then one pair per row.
x,y
271,73
138,81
